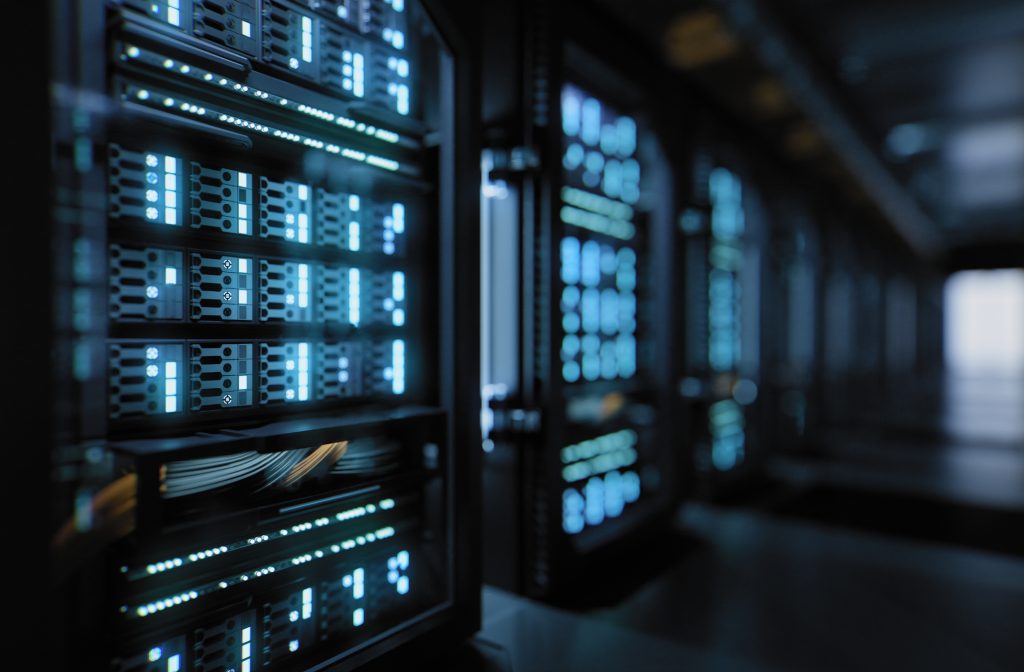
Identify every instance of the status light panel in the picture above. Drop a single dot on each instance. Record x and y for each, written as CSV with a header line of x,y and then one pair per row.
x,y
597,256
600,258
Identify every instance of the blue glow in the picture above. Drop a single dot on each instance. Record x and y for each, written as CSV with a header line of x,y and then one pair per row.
x,y
162,176
398,285
174,663
590,121
593,492
573,158
726,423
609,139
356,583
307,604
353,296
573,506
625,128
246,653
570,258
155,654
590,310
300,362
397,565
307,39
570,114
590,264
398,366
398,217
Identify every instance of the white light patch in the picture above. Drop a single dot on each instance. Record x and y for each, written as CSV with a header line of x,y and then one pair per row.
x,y
170,405
174,663
246,29
398,366
398,285
358,617
353,296
398,217
243,265
243,382
243,297
357,74
303,285
243,217
353,203
307,603
303,371
353,236
246,651
307,39
170,276
170,370
402,99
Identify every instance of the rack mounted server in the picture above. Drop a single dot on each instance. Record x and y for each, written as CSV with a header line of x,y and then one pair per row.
x,y
578,447
262,451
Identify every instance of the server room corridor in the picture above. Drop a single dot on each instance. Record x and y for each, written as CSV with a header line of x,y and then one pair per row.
x,y
521,336
893,546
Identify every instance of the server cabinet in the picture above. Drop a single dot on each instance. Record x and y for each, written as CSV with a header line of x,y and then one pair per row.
x,y
263,247
724,233
792,337
578,447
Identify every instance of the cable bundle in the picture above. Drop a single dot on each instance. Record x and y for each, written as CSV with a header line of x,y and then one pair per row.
x,y
369,456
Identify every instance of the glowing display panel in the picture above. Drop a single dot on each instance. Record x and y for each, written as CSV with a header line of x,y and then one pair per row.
x,y
601,257
725,294
598,260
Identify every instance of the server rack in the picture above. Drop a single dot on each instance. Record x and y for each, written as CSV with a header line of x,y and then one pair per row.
x,y
724,230
262,246
578,434
792,338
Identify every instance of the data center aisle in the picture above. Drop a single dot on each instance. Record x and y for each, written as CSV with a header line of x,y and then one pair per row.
x,y
961,443
757,591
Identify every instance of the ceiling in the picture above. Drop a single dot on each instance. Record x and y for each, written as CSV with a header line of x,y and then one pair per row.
x,y
919,104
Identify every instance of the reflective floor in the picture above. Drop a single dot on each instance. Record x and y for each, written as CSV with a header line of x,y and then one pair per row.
x,y
752,590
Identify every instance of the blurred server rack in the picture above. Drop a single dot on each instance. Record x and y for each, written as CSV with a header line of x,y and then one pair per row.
x,y
792,335
261,244
576,223
724,229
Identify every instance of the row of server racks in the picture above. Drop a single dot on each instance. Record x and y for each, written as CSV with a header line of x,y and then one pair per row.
x,y
362,302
